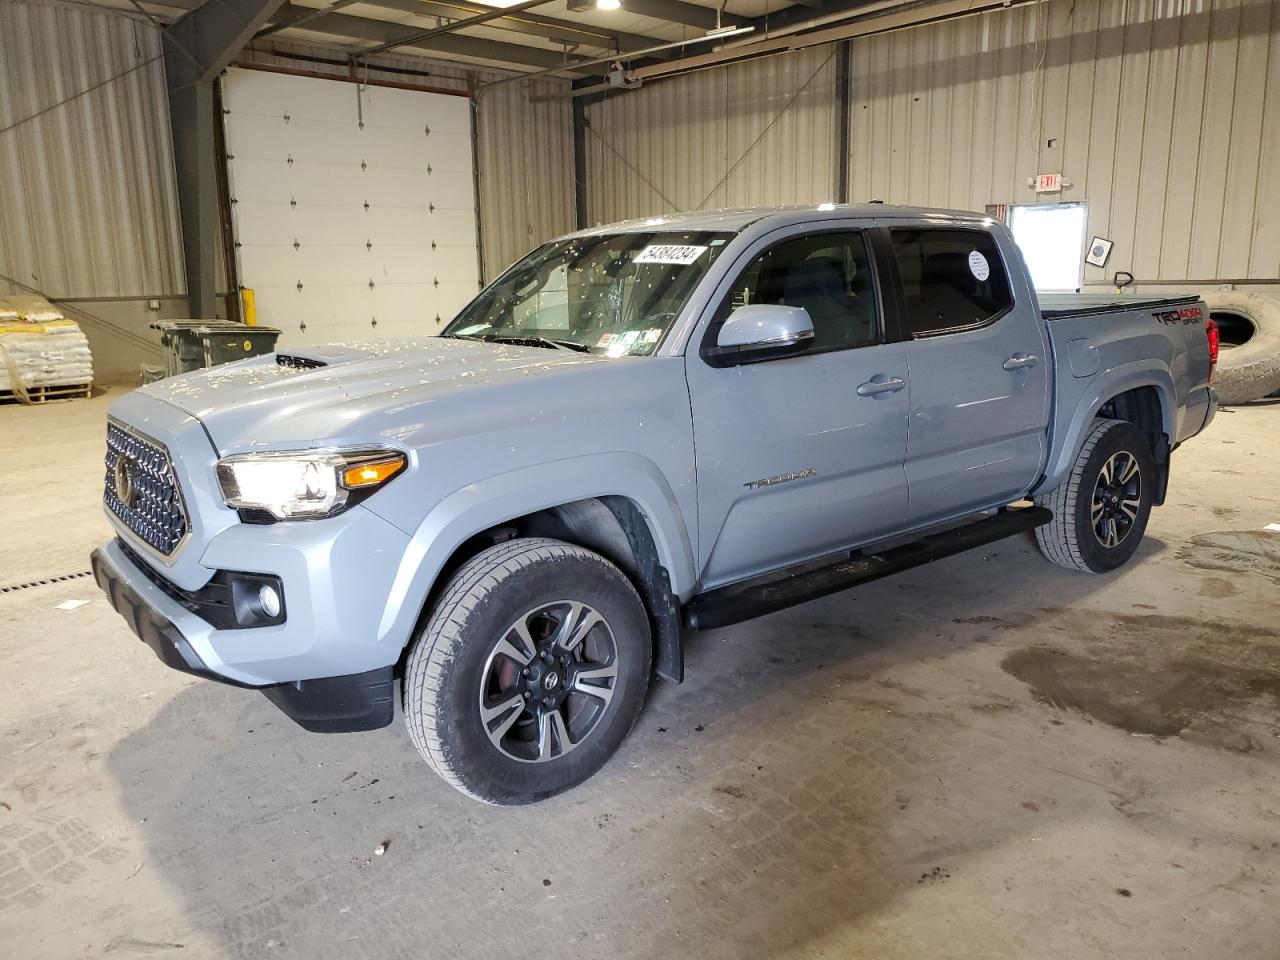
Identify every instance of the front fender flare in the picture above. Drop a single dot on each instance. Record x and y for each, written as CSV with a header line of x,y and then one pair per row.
x,y
498,499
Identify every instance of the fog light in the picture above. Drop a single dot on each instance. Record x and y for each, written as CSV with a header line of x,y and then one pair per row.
x,y
257,599
269,600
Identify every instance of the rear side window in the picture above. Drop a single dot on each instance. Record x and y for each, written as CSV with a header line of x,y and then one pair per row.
x,y
951,279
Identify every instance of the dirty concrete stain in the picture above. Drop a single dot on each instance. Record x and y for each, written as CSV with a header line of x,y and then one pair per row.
x,y
1235,551
1216,587
1149,689
1185,629
994,706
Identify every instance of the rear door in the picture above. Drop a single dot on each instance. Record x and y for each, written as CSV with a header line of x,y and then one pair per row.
x,y
978,360
802,455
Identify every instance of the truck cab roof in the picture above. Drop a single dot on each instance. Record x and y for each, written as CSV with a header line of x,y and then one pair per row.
x,y
736,219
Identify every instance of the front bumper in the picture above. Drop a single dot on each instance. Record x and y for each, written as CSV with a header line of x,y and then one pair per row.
x,y
347,703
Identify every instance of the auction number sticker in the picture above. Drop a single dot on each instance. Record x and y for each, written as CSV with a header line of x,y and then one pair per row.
x,y
978,265
670,253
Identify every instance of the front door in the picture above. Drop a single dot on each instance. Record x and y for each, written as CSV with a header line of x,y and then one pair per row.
x,y
800,456
979,373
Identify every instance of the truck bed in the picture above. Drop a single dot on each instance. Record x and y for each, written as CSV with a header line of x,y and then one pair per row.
x,y
1102,343
1057,306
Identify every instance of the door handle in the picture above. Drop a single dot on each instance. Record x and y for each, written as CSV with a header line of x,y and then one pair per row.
x,y
874,387
1018,361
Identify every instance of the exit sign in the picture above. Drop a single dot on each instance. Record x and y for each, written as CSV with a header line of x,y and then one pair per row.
x,y
1049,183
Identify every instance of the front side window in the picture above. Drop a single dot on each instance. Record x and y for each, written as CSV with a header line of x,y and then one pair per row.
x,y
615,294
951,279
829,274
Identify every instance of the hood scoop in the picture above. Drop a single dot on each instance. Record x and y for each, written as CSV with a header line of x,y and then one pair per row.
x,y
298,363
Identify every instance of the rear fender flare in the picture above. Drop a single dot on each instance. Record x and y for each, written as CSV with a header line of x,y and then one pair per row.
x,y
489,503
1110,383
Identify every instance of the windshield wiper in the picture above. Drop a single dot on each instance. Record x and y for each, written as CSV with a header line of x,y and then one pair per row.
x,y
537,342
573,345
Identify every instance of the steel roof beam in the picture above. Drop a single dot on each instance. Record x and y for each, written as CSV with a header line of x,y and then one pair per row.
x,y
533,24
453,26
687,14
479,48
299,16
200,43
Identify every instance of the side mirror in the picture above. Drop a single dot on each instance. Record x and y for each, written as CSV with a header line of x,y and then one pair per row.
x,y
761,331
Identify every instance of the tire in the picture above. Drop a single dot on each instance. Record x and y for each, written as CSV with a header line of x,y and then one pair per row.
x,y
1249,359
473,655
1072,539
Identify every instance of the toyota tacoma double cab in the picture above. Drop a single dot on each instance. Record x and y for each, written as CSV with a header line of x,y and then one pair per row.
x,y
636,431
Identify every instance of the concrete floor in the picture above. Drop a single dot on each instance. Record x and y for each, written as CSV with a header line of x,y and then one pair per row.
x,y
990,757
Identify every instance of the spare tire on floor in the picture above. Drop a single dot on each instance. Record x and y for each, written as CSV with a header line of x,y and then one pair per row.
x,y
1249,360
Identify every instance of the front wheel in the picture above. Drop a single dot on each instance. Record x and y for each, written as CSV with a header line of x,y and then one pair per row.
x,y
1100,512
530,671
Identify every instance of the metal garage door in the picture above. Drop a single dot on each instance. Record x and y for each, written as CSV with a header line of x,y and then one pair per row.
x,y
353,218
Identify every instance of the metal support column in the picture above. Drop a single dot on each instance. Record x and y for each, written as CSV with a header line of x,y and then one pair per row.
x,y
844,104
580,162
197,47
191,117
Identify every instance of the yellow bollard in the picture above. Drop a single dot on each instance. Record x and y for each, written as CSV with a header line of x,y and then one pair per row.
x,y
248,307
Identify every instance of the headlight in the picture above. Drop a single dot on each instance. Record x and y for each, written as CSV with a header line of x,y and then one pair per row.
x,y
307,484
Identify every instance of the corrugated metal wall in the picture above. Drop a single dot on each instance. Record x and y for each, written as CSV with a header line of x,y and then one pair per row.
x,y
1164,114
525,152
762,132
88,206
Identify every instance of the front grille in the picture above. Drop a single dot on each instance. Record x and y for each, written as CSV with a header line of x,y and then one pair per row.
x,y
140,488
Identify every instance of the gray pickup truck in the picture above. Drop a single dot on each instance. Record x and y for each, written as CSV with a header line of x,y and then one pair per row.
x,y
637,430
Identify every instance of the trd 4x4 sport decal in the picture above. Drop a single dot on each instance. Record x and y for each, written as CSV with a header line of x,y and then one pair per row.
x,y
1183,315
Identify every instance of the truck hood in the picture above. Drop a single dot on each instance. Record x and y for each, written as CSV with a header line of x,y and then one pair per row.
x,y
327,394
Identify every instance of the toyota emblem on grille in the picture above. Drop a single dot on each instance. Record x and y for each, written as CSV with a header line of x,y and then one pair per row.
x,y
122,475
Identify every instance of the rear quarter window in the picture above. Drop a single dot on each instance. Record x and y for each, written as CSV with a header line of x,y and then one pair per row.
x,y
952,279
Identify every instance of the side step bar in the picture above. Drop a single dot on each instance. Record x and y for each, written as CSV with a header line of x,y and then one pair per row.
x,y
754,598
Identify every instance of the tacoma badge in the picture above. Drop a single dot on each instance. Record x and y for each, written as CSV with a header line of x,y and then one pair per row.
x,y
804,474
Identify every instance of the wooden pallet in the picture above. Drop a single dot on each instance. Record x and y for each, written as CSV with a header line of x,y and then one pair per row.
x,y
42,394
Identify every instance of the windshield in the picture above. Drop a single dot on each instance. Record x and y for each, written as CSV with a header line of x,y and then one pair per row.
x,y
614,294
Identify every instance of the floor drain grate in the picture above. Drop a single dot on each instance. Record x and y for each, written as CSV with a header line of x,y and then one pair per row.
x,y
61,578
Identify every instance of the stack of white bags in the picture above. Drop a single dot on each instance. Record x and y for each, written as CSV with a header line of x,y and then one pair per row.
x,y
40,347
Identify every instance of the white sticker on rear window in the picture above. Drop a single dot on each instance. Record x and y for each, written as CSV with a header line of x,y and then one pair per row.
x,y
670,253
978,265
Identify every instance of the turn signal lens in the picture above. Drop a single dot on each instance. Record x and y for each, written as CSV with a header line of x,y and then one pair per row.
x,y
372,473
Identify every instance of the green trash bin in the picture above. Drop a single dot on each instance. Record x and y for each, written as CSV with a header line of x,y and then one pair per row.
x,y
197,344
221,345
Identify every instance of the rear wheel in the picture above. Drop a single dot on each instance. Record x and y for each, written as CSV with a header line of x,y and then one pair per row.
x,y
529,672
1100,513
